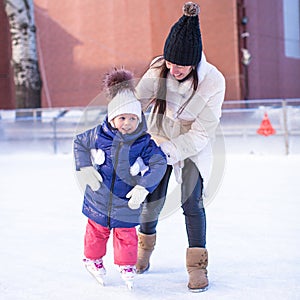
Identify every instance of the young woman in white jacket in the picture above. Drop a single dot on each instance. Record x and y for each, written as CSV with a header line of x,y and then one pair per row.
x,y
185,94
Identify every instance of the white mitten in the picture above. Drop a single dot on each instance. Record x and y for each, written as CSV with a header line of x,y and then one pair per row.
x,y
171,152
98,156
137,195
138,167
89,176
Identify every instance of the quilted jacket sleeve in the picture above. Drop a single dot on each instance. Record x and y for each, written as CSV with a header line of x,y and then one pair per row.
x,y
207,120
155,159
82,145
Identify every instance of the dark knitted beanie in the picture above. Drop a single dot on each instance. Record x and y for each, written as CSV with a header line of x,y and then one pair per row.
x,y
183,45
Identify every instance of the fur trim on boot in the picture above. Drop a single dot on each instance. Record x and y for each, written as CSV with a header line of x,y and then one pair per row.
x,y
196,264
146,245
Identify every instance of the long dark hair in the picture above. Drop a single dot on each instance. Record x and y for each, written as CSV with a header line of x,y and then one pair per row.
x,y
159,101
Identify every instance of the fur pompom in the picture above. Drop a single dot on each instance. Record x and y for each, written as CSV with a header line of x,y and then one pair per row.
x,y
118,80
191,9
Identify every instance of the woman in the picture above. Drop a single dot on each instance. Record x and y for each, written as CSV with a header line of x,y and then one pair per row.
x,y
185,93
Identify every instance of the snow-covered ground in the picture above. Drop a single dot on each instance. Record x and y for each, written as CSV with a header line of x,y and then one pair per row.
x,y
253,236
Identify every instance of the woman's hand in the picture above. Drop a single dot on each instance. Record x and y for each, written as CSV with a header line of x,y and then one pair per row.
x,y
171,152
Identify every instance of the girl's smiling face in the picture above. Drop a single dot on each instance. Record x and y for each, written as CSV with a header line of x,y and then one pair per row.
x,y
126,123
179,72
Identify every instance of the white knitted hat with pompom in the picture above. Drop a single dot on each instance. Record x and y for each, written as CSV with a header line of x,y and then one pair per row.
x,y
120,92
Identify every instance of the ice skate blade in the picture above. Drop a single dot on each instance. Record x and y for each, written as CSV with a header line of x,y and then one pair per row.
x,y
129,285
99,279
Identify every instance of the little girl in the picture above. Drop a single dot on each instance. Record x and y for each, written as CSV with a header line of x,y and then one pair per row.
x,y
119,164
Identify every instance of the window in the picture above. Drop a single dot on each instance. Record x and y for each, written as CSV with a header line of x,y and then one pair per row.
x,y
291,20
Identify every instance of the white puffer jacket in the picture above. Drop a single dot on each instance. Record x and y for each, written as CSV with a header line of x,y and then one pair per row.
x,y
193,131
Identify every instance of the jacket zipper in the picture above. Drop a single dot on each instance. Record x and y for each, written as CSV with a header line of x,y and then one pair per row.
x,y
113,185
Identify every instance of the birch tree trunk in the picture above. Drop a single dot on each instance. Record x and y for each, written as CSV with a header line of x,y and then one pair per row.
x,y
24,53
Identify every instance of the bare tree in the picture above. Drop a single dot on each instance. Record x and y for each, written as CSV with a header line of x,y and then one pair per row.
x,y
24,53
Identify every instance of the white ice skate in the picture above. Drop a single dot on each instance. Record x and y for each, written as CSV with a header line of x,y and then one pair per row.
x,y
96,269
127,274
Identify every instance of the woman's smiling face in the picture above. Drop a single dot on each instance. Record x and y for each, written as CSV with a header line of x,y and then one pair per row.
x,y
179,72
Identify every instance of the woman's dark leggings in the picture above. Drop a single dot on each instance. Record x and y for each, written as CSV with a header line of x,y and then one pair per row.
x,y
192,205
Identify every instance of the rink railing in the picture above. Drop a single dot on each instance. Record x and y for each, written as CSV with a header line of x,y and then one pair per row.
x,y
53,129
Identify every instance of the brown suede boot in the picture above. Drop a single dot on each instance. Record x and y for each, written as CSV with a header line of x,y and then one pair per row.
x,y
196,264
145,247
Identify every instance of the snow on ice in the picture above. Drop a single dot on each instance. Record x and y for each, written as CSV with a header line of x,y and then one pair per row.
x,y
253,235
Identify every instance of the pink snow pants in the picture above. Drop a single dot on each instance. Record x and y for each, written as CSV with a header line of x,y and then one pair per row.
x,y
125,243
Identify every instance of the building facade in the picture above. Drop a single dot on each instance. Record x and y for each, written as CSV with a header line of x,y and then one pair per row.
x,y
274,44
78,41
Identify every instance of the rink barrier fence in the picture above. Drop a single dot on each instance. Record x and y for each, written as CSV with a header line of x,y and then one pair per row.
x,y
53,129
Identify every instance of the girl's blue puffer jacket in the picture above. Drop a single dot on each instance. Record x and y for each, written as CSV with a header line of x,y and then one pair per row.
x,y
108,206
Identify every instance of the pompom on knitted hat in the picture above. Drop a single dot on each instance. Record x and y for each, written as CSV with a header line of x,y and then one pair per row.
x,y
183,45
119,90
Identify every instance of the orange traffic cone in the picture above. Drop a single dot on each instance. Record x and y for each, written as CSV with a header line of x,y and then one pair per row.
x,y
266,127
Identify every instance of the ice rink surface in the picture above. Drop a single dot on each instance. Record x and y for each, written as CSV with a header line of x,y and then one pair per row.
x,y
253,236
